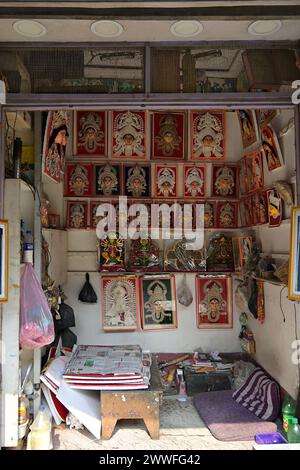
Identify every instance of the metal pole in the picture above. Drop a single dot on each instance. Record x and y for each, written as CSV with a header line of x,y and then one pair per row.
x,y
2,175
37,243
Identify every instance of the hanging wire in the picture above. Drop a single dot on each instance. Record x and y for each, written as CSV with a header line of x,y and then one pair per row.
x,y
280,303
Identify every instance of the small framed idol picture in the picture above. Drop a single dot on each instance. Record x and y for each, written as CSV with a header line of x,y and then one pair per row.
x,y
129,135
271,148
214,302
3,261
248,126
119,303
168,135
166,181
274,208
90,134
208,135
194,181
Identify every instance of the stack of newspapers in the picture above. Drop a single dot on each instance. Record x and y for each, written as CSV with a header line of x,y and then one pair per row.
x,y
108,368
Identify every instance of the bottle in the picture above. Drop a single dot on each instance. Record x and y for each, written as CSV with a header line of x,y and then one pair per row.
x,y
294,432
40,431
22,412
28,247
288,411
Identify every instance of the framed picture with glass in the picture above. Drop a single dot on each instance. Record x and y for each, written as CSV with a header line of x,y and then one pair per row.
x,y
4,261
294,268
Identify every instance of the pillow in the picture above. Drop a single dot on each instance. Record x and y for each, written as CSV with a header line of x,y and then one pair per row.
x,y
260,395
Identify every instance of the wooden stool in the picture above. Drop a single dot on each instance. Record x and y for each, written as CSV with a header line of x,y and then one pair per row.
x,y
133,404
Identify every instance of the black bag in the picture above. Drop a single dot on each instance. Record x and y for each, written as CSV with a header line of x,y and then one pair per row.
x,y
87,293
64,318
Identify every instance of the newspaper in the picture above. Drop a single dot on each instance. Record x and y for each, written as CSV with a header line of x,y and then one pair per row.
x,y
107,361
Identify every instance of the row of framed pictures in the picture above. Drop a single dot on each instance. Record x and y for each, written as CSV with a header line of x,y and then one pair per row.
x,y
129,137
261,208
109,179
217,214
153,300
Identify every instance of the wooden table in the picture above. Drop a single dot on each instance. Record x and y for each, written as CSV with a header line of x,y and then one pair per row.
x,y
133,404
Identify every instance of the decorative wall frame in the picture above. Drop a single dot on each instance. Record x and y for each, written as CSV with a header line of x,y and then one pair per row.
x,y
265,116
243,184
219,255
259,208
248,126
144,255
194,177
274,208
271,148
112,253
4,256
120,300
168,135
254,169
90,134
214,302
210,214
94,219
137,180
129,135
79,180
108,180
245,211
227,214
77,213
294,266
208,135
241,250
56,138
158,302
166,181
224,180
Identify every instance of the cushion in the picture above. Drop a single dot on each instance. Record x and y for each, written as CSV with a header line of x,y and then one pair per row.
x,y
260,395
227,420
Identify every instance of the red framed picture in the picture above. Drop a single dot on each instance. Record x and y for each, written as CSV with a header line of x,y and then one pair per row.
x,y
110,212
108,179
56,139
158,302
166,181
112,252
129,135
168,135
77,213
227,214
259,208
271,148
194,177
225,181
119,301
245,211
243,184
248,126
79,180
274,208
265,116
139,214
208,136
210,214
137,180
241,247
214,302
90,134
254,169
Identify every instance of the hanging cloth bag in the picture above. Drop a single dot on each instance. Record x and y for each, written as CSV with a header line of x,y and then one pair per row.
x,y
87,293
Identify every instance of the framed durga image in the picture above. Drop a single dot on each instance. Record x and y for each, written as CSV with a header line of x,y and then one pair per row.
x,y
168,135
90,133
194,180
119,296
214,302
158,302
3,261
129,135
208,136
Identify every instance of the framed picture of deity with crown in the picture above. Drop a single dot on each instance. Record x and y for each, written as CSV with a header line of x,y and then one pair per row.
x,y
208,135
158,302
90,134
129,135
168,135
214,302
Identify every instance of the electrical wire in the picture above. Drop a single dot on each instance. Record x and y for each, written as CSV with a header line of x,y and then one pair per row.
x,y
280,303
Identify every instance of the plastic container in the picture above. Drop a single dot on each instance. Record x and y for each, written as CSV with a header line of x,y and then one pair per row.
x,y
288,411
294,432
272,438
22,412
40,431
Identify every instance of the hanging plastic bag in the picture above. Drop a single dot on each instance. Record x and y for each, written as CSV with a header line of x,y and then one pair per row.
x,y
36,322
87,293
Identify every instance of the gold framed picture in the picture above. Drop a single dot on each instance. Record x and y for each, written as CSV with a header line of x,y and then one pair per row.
x,y
4,261
294,268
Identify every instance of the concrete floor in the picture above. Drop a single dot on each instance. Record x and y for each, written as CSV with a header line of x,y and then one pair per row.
x,y
180,428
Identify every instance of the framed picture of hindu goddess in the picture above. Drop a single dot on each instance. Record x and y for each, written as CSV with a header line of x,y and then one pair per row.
x,y
120,300
129,135
224,181
77,213
274,207
214,302
108,180
248,126
254,169
79,180
109,211
265,116
158,302
165,181
271,148
194,181
208,135
168,135
227,214
137,180
90,134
